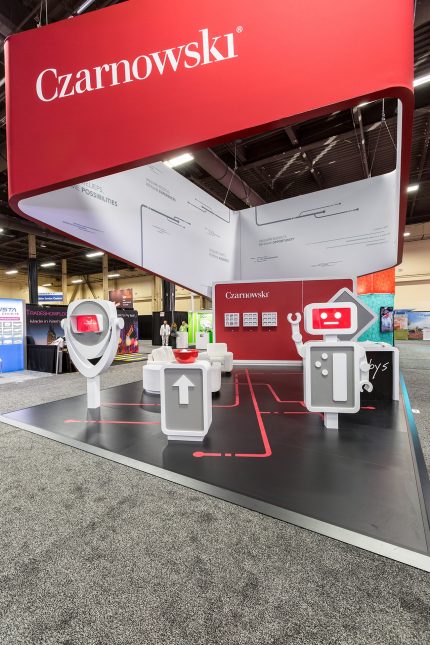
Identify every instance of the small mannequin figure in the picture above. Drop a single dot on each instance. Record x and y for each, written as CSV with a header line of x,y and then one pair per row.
x,y
165,333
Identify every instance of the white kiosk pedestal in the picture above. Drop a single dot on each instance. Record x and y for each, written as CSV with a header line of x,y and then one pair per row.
x,y
182,340
93,392
186,401
202,339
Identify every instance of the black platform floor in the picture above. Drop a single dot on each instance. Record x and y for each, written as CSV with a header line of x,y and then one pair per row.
x,y
265,446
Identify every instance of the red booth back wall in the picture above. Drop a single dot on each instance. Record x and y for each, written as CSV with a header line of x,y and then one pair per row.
x,y
287,296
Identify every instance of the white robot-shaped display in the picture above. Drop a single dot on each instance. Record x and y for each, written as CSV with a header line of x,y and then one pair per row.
x,y
92,330
334,371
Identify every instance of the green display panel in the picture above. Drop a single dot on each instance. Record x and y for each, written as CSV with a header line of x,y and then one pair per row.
x,y
199,321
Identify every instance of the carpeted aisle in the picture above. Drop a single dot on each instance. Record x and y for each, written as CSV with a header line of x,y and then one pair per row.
x,y
415,365
95,553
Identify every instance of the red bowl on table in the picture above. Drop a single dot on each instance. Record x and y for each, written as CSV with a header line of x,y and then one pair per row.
x,y
186,355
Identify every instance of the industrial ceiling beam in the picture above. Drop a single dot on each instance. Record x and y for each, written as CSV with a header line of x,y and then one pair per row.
x,y
361,141
14,224
219,170
261,172
423,158
307,147
305,157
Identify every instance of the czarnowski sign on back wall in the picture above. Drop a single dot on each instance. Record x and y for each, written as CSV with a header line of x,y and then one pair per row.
x,y
262,342
52,84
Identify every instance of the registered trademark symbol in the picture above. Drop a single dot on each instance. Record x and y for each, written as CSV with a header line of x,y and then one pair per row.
x,y
239,29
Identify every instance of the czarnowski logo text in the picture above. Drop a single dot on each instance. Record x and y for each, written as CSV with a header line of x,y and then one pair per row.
x,y
255,294
52,84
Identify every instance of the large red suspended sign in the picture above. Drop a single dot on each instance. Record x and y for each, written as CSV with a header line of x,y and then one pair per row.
x,y
130,84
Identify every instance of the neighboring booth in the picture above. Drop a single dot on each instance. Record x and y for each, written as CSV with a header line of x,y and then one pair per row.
x,y
200,328
145,327
122,298
157,320
12,333
412,325
129,336
45,351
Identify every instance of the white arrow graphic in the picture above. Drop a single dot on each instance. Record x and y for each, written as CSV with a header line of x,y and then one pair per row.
x,y
184,384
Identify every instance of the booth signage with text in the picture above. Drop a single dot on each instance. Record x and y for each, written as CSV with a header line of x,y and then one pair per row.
x,y
12,330
44,323
129,334
251,317
225,61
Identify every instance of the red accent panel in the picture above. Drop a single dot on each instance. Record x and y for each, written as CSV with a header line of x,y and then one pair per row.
x,y
87,324
327,319
97,126
261,343
380,282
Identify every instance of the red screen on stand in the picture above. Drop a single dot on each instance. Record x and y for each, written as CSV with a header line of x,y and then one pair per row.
x,y
87,324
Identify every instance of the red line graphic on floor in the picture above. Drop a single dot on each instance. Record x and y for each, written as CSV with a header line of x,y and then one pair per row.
x,y
237,397
276,397
248,383
267,449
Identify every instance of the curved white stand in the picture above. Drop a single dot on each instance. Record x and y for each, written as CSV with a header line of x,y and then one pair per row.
x,y
104,348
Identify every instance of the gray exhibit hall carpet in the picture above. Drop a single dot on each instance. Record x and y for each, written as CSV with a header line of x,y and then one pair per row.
x,y
95,553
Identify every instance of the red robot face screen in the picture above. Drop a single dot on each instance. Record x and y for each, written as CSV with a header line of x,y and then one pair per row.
x,y
87,324
331,318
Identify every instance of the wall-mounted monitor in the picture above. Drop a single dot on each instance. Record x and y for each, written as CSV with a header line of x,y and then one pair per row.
x,y
386,319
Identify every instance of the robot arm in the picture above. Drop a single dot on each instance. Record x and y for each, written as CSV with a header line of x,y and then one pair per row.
x,y
296,335
365,384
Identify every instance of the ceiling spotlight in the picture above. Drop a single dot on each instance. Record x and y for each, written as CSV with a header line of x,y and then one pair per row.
x,y
113,275
48,284
180,160
45,265
94,254
406,234
84,6
11,272
1,230
422,80
412,188
77,281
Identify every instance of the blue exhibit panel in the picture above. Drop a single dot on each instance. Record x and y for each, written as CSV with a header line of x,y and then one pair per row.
x,y
12,357
11,335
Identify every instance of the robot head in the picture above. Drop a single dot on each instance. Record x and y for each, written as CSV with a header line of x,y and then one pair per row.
x,y
323,318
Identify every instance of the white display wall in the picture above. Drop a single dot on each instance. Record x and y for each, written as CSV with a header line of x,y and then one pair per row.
x,y
155,218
